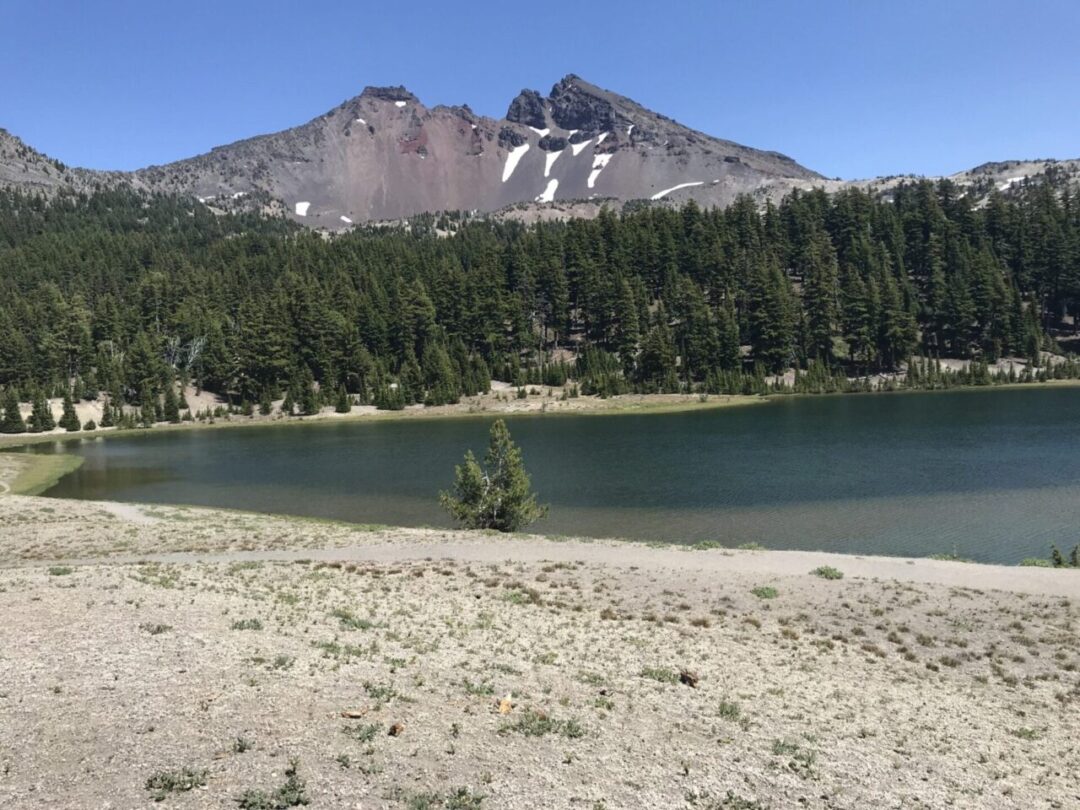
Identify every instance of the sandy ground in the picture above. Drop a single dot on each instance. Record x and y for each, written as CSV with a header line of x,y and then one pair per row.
x,y
515,672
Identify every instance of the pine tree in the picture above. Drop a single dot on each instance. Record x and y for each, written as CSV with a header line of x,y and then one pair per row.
x,y
69,421
771,319
171,409
309,401
41,418
820,294
344,403
107,411
12,421
497,495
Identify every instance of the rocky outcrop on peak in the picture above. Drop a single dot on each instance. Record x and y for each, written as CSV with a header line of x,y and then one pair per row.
x,y
527,109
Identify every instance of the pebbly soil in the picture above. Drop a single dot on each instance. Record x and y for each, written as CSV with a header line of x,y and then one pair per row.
x,y
514,672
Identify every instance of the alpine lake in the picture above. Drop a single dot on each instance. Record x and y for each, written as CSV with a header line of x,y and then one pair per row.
x,y
986,475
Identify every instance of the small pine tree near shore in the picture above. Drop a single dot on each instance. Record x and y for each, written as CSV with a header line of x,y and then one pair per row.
x,y
497,495
69,421
12,421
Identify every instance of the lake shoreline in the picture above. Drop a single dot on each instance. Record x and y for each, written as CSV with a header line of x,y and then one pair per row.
x,y
639,404
29,475
623,404
836,474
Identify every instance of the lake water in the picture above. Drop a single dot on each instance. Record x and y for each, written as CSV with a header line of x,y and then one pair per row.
x,y
989,475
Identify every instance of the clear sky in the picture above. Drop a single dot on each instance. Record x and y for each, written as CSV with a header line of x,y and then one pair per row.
x,y
850,88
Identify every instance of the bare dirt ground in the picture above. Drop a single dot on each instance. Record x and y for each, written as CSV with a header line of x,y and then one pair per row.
x,y
146,650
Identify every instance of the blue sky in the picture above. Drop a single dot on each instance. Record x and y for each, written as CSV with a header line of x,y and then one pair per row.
x,y
850,88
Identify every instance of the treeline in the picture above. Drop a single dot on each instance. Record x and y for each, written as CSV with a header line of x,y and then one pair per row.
x,y
127,293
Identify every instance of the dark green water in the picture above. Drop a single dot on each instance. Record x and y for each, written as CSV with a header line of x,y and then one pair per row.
x,y
990,475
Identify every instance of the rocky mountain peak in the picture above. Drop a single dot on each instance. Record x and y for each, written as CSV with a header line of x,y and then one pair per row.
x,y
579,105
527,109
395,93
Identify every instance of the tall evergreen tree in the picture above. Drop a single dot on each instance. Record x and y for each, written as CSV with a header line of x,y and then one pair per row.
x,y
12,421
69,421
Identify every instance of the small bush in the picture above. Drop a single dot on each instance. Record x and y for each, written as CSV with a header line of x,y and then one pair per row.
x,y
729,710
765,592
163,783
537,724
459,799
247,624
363,733
60,570
828,572
1036,562
292,793
661,674
350,621
242,745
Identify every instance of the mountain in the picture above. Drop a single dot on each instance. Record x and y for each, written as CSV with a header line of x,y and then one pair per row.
x,y
384,155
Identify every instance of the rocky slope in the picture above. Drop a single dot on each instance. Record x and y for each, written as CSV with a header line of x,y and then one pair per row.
x,y
25,168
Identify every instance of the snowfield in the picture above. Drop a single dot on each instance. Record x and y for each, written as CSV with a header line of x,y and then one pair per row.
x,y
512,158
661,194
302,208
549,192
549,161
577,147
598,164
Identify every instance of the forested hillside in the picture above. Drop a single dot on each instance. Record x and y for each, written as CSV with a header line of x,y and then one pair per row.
x,y
127,293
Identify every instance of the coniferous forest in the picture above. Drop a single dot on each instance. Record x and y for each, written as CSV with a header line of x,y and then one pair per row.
x,y
121,294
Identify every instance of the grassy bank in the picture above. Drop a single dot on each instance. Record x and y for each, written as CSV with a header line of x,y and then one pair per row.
x,y
37,472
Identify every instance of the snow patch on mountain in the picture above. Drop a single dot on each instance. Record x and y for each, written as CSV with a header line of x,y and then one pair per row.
x,y
598,164
549,161
601,137
661,194
578,147
346,220
512,158
302,208
549,193
399,103
540,132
